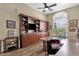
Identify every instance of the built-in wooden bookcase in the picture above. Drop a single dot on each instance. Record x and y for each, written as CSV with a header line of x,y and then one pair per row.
x,y
28,36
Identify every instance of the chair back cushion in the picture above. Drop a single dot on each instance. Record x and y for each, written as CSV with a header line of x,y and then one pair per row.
x,y
55,44
55,41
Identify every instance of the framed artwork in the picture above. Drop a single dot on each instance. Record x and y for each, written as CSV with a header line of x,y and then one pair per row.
x,y
10,24
73,25
10,33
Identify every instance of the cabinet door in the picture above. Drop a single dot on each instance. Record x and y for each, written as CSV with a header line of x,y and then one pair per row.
x,y
31,38
44,26
38,38
25,40
35,38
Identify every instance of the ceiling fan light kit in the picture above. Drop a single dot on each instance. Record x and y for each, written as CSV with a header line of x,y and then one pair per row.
x,y
46,7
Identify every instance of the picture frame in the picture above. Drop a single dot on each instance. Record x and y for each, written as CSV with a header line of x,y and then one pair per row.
x,y
10,24
10,33
73,25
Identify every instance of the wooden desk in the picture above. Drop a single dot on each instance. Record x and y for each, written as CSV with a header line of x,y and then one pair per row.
x,y
45,39
8,42
11,43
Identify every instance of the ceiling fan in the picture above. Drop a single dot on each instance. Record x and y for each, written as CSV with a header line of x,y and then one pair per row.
x,y
46,7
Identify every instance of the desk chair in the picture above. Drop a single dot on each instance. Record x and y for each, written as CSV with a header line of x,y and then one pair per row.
x,y
53,46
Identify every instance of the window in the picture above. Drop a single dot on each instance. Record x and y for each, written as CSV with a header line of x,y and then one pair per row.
x,y
60,24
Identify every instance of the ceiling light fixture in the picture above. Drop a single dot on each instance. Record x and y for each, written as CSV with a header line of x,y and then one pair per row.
x,y
46,8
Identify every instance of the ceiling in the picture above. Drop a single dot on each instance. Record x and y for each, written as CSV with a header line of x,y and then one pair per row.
x,y
60,6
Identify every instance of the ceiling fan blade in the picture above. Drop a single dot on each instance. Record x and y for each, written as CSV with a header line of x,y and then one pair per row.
x,y
52,5
41,8
44,10
45,5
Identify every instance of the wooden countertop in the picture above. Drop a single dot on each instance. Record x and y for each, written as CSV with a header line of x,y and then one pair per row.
x,y
45,38
48,38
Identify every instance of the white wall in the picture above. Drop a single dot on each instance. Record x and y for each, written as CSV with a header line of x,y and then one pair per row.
x,y
10,12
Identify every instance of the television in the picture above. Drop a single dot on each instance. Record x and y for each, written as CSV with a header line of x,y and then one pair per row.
x,y
32,26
